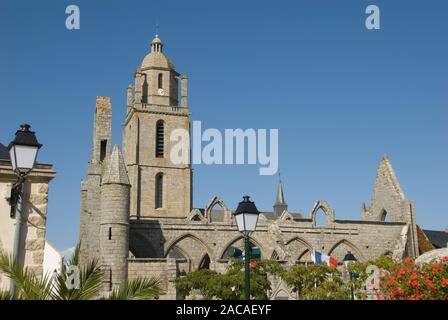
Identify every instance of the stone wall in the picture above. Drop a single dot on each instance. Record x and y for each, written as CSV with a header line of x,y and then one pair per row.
x,y
289,241
35,206
164,269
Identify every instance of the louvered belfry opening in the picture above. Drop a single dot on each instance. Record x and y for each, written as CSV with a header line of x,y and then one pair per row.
x,y
160,130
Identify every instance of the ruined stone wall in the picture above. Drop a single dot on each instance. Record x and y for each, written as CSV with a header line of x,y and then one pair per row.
x,y
288,239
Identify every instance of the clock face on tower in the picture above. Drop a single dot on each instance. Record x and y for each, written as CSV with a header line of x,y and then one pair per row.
x,y
161,92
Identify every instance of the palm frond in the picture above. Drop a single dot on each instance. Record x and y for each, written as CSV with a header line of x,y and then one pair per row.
x,y
90,282
6,295
138,289
29,286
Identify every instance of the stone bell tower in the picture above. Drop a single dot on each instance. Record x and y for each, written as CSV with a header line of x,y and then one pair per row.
x,y
160,188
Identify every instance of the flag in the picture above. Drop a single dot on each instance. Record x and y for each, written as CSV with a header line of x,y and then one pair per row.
x,y
319,258
329,260
316,257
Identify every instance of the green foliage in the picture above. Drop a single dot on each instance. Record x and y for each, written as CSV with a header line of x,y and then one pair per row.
x,y
230,285
137,289
316,282
91,280
384,263
198,280
30,287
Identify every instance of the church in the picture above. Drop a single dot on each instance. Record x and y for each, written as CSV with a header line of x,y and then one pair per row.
x,y
137,216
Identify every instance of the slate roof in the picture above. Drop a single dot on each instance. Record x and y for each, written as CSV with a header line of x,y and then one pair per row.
x,y
4,154
438,238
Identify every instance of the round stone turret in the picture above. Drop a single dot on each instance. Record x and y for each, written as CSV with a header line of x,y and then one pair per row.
x,y
114,221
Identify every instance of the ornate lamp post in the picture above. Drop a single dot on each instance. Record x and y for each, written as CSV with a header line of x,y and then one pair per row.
x,y
246,216
350,258
23,152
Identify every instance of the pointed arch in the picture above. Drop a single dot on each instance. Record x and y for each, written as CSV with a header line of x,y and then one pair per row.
x,y
195,215
179,253
297,246
299,239
236,239
207,249
281,292
329,212
354,249
302,258
208,213
286,216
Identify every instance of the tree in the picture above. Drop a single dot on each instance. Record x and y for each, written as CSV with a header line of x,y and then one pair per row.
x,y
364,270
316,282
31,287
230,285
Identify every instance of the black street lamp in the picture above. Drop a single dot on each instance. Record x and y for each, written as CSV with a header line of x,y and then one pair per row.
x,y
22,152
246,216
350,258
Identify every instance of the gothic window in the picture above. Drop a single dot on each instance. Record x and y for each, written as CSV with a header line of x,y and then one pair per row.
x,y
321,218
159,190
160,81
160,130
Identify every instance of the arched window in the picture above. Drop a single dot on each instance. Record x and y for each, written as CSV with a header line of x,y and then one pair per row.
x,y
159,190
385,216
160,140
321,218
160,81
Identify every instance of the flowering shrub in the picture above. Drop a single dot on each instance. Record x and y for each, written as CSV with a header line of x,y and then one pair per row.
x,y
409,281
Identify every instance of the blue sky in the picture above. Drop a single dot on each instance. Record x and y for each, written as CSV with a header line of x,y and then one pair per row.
x,y
341,96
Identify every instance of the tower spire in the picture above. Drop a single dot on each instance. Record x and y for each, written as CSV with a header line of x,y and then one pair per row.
x,y
280,203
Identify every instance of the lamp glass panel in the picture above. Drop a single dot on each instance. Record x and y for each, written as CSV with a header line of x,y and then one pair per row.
x,y
240,221
251,221
24,157
12,156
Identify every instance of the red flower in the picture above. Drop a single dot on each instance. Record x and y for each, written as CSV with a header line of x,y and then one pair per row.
x,y
392,281
400,291
445,259
430,285
444,282
407,260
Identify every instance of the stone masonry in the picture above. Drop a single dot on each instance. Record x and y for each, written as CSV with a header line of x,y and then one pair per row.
x,y
136,210
35,206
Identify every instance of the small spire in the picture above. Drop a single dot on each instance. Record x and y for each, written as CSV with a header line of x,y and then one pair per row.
x,y
157,29
116,169
280,200
280,204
